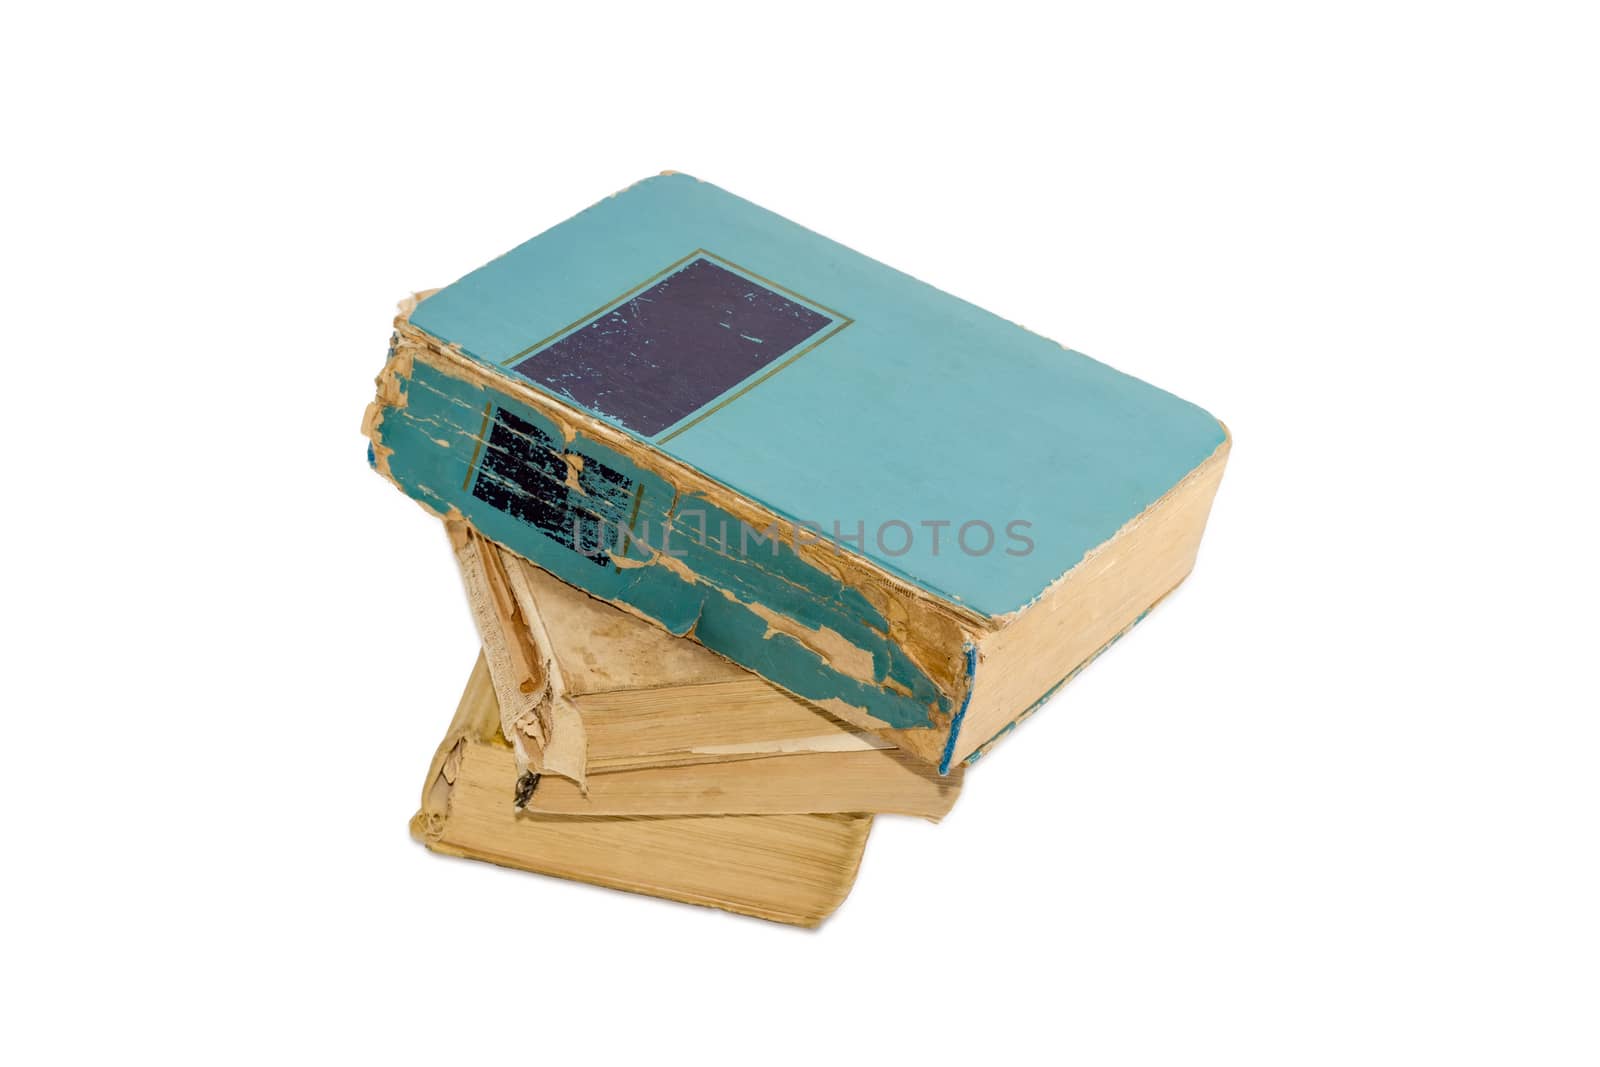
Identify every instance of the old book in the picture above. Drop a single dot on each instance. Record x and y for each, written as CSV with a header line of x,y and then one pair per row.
x,y
663,725
787,868
906,510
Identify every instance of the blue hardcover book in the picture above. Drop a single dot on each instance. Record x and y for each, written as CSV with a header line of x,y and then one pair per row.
x,y
887,501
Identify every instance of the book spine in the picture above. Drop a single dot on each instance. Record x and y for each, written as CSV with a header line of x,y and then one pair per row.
x,y
598,521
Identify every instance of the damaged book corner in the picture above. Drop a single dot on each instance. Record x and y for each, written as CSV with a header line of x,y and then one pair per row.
x,y
762,538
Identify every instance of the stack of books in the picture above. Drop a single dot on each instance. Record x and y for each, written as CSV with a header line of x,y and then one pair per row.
x,y
762,538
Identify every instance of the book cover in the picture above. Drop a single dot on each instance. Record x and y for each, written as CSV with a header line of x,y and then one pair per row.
x,y
878,496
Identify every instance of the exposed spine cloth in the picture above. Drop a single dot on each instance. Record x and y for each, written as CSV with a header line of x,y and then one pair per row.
x,y
543,726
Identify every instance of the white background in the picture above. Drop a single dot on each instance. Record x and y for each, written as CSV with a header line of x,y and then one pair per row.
x,y
1335,802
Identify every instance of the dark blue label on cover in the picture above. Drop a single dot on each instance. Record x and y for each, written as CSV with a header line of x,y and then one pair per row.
x,y
677,343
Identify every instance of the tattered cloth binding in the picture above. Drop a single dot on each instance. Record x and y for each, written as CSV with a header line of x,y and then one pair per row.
x,y
912,513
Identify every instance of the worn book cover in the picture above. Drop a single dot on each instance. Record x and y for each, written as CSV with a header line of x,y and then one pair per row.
x,y
907,510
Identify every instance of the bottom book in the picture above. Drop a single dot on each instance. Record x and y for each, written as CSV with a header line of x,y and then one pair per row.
x,y
786,868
